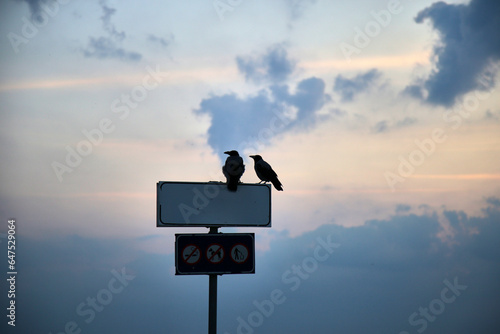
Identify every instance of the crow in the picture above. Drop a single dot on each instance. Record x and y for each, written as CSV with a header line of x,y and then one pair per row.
x,y
233,169
265,172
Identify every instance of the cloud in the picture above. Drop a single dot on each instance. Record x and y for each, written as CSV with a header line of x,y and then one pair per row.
x,y
467,54
35,7
297,7
309,97
348,88
386,270
252,121
492,116
381,126
403,208
108,46
385,125
273,66
415,91
104,47
107,24
163,42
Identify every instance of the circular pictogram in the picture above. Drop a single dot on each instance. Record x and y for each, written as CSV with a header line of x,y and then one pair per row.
x,y
191,254
239,253
215,253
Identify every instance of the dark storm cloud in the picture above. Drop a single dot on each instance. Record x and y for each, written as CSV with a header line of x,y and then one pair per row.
x,y
252,121
372,277
348,88
467,52
273,66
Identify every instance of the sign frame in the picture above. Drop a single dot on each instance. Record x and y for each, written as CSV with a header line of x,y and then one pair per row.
x,y
204,265
210,204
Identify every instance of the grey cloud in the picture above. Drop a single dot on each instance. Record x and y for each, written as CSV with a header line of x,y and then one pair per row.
x,y
381,126
162,41
35,6
492,116
338,112
407,121
273,66
104,47
385,125
108,47
236,121
348,88
309,97
468,50
385,270
252,121
107,24
403,208
297,7
415,91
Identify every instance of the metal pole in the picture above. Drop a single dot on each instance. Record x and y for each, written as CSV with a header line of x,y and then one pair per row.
x,y
212,297
212,304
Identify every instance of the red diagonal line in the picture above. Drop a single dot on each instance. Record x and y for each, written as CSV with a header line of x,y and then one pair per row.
x,y
195,249
215,253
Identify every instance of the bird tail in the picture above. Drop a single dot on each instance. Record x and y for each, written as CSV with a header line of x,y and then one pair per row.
x,y
232,184
277,184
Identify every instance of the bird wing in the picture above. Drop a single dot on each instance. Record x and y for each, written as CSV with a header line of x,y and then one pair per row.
x,y
264,171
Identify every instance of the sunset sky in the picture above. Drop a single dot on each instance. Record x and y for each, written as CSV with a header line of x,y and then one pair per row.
x,y
381,118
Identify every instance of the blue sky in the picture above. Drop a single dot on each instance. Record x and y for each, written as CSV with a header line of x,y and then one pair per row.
x,y
381,119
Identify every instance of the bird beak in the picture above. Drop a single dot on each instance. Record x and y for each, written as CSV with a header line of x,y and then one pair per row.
x,y
227,152
252,156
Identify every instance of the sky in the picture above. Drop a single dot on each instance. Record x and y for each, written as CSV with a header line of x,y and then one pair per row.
x,y
381,119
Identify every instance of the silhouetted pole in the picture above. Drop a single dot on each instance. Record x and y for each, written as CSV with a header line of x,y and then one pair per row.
x,y
212,297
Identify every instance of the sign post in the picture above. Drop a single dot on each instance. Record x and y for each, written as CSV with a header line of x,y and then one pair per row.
x,y
210,204
212,297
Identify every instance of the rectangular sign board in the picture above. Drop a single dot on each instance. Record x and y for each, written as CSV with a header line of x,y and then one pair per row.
x,y
212,204
221,253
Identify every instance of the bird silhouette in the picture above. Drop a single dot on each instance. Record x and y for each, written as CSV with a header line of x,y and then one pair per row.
x,y
233,169
265,172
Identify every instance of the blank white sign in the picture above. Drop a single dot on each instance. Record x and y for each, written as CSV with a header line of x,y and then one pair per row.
x,y
211,204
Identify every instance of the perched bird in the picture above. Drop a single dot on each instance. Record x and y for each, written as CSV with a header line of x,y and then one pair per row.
x,y
233,169
265,172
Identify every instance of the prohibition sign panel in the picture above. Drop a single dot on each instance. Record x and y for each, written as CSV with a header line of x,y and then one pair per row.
x,y
221,253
